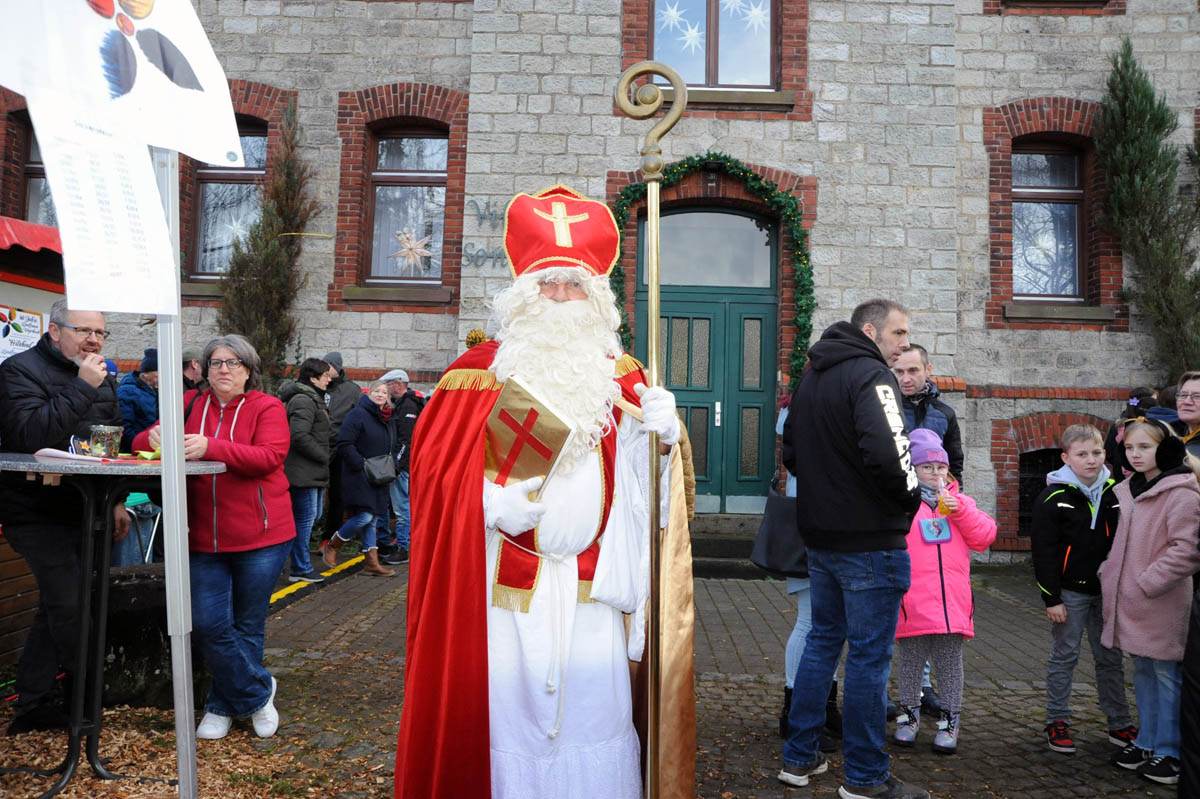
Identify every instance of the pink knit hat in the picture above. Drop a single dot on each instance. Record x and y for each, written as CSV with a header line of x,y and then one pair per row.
x,y
926,447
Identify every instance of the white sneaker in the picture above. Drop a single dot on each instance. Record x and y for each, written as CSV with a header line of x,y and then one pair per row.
x,y
214,726
266,720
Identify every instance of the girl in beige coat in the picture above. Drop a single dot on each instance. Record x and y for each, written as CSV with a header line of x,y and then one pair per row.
x,y
1147,588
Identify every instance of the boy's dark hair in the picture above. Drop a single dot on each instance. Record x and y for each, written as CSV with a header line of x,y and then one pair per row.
x,y
1166,397
1080,432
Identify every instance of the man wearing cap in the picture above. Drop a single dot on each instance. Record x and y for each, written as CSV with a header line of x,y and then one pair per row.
x,y
407,404
341,395
517,678
193,375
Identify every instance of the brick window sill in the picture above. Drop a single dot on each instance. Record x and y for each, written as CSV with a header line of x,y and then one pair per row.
x,y
1058,312
735,98
400,295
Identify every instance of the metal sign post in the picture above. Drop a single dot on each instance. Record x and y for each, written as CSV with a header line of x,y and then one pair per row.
x,y
645,103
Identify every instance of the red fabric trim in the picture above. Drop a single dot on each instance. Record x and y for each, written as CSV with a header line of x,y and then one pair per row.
x,y
19,233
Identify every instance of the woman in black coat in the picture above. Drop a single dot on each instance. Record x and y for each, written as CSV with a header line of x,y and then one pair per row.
x,y
368,431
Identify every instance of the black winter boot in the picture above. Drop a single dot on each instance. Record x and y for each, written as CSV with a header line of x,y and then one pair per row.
x,y
787,709
833,716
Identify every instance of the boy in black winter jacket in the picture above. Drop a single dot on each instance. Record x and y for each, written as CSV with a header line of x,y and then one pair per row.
x,y
1074,520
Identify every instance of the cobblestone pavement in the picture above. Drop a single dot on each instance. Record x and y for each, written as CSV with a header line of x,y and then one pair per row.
x,y
339,654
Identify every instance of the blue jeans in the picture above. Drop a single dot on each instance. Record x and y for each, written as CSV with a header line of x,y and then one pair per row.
x,y
364,521
132,550
1084,612
306,507
1157,685
856,600
399,493
795,645
231,592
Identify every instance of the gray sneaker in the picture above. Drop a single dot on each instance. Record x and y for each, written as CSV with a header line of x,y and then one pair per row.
x,y
798,776
892,788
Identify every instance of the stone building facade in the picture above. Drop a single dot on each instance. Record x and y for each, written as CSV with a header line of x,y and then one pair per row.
x,y
896,125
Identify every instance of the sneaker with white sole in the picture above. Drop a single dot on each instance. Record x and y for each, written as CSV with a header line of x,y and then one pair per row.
x,y
1131,757
266,719
1162,769
313,576
214,726
798,775
892,788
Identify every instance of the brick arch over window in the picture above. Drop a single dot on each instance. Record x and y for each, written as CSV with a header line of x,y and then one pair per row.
x,y
1011,438
1046,116
718,190
258,101
359,112
14,127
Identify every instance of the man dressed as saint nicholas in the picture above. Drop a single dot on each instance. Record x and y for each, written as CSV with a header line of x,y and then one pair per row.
x,y
517,668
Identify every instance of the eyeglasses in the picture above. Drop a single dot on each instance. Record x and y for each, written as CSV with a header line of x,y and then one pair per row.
x,y
228,363
1188,396
87,332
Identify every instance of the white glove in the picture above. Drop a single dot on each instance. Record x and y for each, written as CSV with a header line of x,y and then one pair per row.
x,y
658,413
508,507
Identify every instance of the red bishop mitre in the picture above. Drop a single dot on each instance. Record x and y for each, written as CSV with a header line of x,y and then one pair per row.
x,y
558,226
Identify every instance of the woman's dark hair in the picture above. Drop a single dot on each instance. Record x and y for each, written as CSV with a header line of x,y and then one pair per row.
x,y
1140,399
311,369
1166,397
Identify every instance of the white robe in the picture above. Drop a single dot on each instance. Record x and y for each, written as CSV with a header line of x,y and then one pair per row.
x,y
560,707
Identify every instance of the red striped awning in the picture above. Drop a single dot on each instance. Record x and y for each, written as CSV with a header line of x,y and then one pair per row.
x,y
32,237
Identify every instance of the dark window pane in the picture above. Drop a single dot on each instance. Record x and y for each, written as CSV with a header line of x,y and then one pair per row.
x,y
750,438
705,248
680,31
412,155
698,434
35,149
679,352
39,205
700,348
751,353
744,43
1045,259
419,210
227,211
1045,170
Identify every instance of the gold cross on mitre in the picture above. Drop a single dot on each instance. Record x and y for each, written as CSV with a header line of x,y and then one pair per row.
x,y
562,222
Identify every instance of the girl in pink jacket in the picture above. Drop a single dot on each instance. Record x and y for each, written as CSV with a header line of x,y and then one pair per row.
x,y
1146,588
935,615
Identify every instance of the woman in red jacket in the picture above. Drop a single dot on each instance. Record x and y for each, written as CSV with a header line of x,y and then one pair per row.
x,y
240,529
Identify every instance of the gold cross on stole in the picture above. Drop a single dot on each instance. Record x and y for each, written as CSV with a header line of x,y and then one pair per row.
x,y
562,222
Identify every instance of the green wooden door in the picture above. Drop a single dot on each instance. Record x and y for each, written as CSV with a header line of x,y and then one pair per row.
x,y
718,345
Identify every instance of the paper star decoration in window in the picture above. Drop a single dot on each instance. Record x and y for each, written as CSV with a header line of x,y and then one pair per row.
x,y
412,250
732,7
756,16
670,17
690,39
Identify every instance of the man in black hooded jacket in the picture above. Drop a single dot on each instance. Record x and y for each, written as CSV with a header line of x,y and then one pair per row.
x,y
856,495
58,388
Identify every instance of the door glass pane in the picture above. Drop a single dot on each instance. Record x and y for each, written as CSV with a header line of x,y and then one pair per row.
x,y
1043,248
744,43
698,434
416,210
679,351
706,248
700,340
662,341
750,438
1044,170
751,352
227,211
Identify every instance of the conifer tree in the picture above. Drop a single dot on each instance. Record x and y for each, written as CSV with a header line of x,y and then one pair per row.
x,y
263,279
1145,207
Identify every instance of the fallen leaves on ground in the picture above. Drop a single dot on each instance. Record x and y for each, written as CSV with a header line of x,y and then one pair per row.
x,y
141,742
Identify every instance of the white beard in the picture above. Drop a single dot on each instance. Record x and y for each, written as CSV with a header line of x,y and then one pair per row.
x,y
566,352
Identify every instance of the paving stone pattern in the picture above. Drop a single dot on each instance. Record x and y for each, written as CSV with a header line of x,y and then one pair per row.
x,y
339,655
